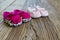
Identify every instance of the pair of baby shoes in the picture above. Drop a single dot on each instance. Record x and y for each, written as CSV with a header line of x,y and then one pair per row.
x,y
16,17
37,12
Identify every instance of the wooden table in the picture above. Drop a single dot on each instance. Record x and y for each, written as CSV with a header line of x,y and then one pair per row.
x,y
44,28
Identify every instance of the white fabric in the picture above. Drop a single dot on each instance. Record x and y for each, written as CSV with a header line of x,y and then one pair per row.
x,y
34,13
42,10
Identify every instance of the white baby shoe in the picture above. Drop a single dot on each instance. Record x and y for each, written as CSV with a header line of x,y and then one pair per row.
x,y
34,13
42,11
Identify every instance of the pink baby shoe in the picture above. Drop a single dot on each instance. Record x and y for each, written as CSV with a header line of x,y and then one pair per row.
x,y
11,19
16,20
34,13
25,15
42,11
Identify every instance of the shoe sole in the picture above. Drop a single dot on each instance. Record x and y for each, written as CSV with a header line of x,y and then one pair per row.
x,y
10,24
26,20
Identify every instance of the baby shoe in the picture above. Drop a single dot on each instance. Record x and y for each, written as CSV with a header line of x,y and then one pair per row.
x,y
25,15
11,19
42,11
34,13
16,20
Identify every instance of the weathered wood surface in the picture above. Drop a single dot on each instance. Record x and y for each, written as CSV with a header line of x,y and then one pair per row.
x,y
45,28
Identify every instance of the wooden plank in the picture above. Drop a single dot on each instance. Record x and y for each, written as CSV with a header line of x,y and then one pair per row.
x,y
18,4
5,3
55,15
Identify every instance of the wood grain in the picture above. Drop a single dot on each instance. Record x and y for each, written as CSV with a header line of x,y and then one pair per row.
x,y
44,28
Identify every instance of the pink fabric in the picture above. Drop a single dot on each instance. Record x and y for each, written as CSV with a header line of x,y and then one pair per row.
x,y
15,16
25,15
17,12
16,19
7,15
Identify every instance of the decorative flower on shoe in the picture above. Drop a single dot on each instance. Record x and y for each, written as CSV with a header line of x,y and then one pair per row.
x,y
16,19
7,15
